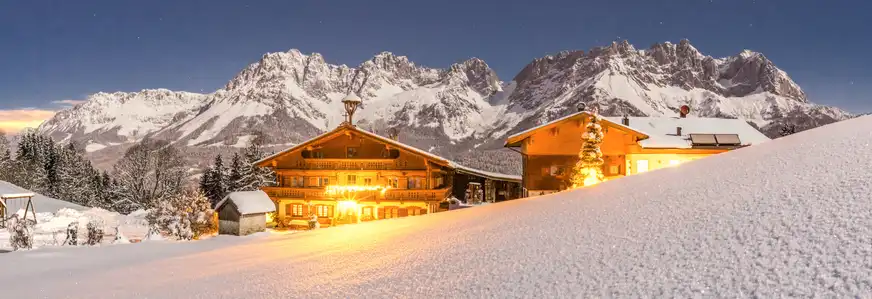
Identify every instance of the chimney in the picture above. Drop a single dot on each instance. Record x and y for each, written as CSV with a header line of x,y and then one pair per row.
x,y
625,121
678,131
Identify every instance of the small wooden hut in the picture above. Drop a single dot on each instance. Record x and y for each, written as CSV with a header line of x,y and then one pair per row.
x,y
245,212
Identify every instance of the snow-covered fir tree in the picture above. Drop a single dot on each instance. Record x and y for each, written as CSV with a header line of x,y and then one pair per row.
x,y
234,177
6,161
214,181
588,169
251,176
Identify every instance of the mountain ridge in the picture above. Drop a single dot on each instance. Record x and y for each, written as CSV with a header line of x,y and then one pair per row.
x,y
458,111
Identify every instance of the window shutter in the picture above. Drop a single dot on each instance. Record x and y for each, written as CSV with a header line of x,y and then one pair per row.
x,y
381,213
330,212
305,210
289,209
402,212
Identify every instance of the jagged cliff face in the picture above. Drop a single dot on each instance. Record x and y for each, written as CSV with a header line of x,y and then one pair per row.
x,y
291,97
619,79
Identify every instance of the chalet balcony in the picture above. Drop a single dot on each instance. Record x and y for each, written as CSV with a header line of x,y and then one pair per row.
x,y
352,164
390,194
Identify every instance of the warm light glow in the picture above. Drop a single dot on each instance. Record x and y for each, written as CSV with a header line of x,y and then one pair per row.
x,y
674,162
346,189
590,177
13,121
269,217
345,205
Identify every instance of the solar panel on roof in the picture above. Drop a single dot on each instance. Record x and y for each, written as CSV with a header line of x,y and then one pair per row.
x,y
728,139
703,139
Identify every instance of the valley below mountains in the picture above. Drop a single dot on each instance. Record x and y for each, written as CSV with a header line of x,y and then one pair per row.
x,y
462,112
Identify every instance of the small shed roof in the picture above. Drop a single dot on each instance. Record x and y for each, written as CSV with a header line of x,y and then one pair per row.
x,y
248,202
487,174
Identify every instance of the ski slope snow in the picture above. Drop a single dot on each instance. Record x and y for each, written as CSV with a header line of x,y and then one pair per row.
x,y
786,218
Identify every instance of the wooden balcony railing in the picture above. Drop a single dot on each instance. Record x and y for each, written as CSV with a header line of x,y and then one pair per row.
x,y
390,194
352,164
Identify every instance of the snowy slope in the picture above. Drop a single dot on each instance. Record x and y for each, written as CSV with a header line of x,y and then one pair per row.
x,y
40,203
797,227
291,97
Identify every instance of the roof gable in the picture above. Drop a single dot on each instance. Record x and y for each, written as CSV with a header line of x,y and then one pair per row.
x,y
248,202
514,140
366,134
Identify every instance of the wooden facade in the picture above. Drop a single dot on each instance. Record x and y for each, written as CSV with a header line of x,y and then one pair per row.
x,y
349,175
549,152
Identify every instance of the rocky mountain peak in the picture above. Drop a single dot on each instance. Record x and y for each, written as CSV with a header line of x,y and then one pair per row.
x,y
291,96
474,73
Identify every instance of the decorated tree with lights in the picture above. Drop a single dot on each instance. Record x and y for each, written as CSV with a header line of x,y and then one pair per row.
x,y
588,169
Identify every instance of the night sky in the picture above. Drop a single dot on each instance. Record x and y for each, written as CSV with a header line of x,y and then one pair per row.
x,y
53,53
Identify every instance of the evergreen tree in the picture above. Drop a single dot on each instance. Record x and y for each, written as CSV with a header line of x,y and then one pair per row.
x,y
6,161
234,177
588,169
251,176
214,182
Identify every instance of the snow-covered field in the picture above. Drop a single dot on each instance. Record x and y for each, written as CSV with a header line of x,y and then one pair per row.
x,y
786,218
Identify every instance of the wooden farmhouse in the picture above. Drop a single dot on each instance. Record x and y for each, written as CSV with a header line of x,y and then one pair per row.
x,y
244,212
349,175
630,145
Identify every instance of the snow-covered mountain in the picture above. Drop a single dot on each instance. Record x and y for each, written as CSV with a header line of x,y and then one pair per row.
x,y
291,97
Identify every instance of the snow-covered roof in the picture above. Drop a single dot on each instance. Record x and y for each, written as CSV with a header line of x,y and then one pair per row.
x,y
662,131
351,97
395,143
487,174
249,202
17,197
523,134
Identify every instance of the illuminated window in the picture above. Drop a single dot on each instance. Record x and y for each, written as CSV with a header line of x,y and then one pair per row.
x,y
394,182
318,155
415,183
391,212
323,211
367,213
296,210
351,152
641,166
351,180
613,169
298,181
674,162
367,181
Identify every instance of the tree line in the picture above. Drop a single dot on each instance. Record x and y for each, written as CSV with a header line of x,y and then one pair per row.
x,y
151,173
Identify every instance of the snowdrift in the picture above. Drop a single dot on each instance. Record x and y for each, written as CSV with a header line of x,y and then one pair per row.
x,y
788,217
